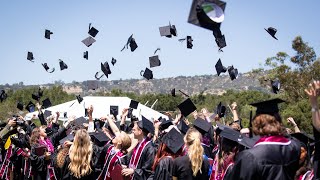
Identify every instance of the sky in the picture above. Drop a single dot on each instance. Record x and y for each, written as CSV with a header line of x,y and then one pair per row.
x,y
248,44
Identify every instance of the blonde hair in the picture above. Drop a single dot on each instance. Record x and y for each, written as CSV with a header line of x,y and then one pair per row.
x,y
80,154
125,141
195,150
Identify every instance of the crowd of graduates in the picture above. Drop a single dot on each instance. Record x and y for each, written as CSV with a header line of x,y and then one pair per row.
x,y
162,148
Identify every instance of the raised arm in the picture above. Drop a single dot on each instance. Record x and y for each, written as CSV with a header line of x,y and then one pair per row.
x,y
313,92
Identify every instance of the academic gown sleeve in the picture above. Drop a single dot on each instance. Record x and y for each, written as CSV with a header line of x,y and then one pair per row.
x,y
143,170
164,169
42,119
38,163
56,137
244,168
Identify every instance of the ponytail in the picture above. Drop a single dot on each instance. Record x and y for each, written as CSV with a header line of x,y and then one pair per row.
x,y
195,150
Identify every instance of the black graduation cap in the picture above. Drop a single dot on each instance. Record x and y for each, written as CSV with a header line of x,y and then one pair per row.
x,y
30,107
105,68
92,84
46,67
30,56
99,138
86,55
202,125
88,41
132,43
69,137
113,61
303,138
233,73
46,103
154,61
173,92
146,125
20,106
189,41
47,34
183,127
79,121
92,31
275,86
221,42
165,123
3,95
168,31
134,104
272,31
114,110
47,113
221,110
173,140
187,107
36,96
79,98
220,68
147,73
268,107
63,65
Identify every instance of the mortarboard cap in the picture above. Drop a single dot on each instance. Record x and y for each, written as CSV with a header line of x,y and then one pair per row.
x,y
146,125
46,103
220,68
147,73
202,125
92,84
99,138
86,55
69,137
79,121
173,92
92,31
47,34
30,107
233,73
267,107
154,61
165,123
221,42
272,31
187,107
30,56
189,42
113,61
35,97
173,140
46,67
88,41
105,68
132,43
3,96
303,138
134,104
114,110
63,65
20,106
46,114
183,127
168,31
79,98
275,85
221,110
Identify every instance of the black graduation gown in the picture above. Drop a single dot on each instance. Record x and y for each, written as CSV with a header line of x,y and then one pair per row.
x,y
144,168
316,160
164,169
267,162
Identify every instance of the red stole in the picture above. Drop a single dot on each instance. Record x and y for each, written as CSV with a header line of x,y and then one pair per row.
x,y
5,165
272,140
136,155
109,164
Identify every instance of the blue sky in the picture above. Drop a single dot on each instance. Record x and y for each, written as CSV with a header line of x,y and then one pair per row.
x,y
248,44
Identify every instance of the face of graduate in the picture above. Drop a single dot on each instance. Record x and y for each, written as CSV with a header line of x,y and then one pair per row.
x,y
43,132
137,132
116,140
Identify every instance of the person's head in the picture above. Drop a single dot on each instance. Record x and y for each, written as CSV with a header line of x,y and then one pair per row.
x,y
266,125
192,140
43,131
164,151
81,154
122,141
35,136
137,132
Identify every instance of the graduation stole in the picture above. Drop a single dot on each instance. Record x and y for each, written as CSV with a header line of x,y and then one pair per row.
x,y
272,140
5,165
109,163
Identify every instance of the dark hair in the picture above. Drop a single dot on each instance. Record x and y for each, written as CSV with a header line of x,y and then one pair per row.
x,y
163,151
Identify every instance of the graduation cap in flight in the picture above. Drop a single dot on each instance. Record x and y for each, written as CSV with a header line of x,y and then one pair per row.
x,y
133,104
154,61
88,41
46,67
146,125
86,55
272,31
113,61
3,95
30,56
220,68
46,103
221,110
114,110
187,107
47,34
168,31
275,85
173,140
30,107
37,96
79,98
63,65
20,105
147,73
132,43
268,107
233,73
189,41
173,92
105,68
92,31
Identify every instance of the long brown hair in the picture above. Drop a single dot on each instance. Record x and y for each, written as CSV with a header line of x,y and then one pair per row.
x,y
61,156
35,136
266,125
163,151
